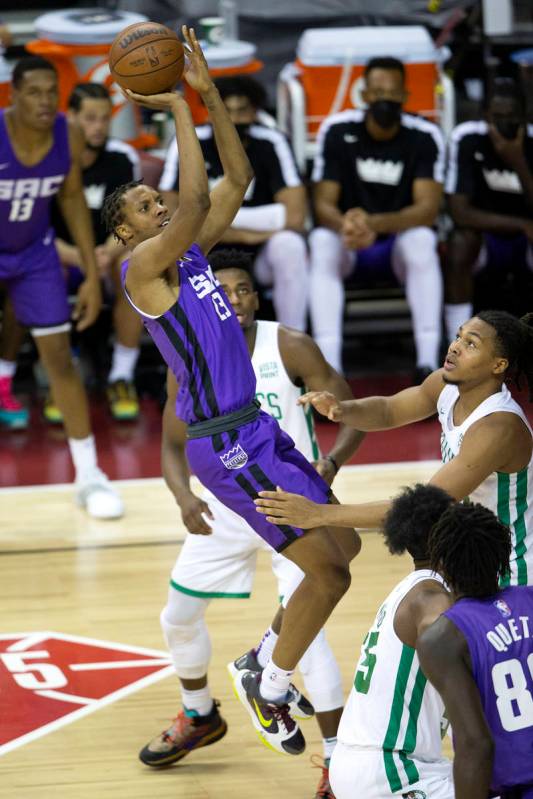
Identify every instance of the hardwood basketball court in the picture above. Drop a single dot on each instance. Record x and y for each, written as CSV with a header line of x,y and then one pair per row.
x,y
107,581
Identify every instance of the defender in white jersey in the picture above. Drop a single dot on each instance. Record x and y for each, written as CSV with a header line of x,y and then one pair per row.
x,y
218,557
487,442
389,738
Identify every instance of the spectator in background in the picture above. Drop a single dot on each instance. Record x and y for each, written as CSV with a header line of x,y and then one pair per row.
x,y
271,221
490,188
106,164
378,178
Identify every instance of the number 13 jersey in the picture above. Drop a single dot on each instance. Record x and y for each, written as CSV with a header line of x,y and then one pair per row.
x,y
392,708
26,192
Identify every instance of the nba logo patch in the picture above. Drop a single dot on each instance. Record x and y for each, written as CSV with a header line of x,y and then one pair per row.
x,y
503,607
235,458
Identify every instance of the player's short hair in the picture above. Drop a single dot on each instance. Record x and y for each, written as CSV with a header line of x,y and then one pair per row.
x,y
30,63
242,86
93,91
514,341
413,513
385,62
112,213
233,259
470,548
510,90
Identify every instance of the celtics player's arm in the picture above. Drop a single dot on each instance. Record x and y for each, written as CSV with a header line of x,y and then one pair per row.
x,y
499,442
175,466
306,366
73,207
380,413
445,661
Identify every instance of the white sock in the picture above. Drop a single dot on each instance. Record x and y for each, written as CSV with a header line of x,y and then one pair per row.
x,y
427,348
123,363
326,293
328,745
266,647
83,452
199,702
274,682
7,368
455,315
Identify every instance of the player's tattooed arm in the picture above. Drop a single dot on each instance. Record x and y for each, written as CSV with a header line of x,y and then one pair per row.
x,y
175,466
444,658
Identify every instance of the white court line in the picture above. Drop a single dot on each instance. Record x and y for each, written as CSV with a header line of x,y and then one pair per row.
x,y
25,643
62,697
118,664
84,711
141,481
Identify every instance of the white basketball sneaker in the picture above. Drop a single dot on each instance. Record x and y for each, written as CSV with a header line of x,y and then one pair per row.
x,y
98,497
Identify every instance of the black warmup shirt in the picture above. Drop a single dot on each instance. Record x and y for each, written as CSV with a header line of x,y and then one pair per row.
x,y
117,164
270,156
377,175
476,169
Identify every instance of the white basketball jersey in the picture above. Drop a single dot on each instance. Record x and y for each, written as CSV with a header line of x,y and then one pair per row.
x,y
510,495
278,395
392,708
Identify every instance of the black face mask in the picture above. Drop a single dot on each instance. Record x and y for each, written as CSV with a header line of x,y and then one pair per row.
x,y
242,130
386,113
508,129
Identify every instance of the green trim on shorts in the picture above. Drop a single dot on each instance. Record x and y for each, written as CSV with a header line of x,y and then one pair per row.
x,y
208,594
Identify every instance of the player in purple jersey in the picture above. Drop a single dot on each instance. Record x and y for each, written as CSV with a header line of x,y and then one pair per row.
x,y
479,656
234,448
40,159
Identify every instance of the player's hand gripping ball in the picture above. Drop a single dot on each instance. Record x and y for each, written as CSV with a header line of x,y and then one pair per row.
x,y
147,58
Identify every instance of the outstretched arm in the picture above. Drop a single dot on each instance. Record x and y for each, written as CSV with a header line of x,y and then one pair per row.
x,y
226,198
443,655
307,367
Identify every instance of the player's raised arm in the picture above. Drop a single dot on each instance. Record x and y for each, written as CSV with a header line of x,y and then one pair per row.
x,y
156,253
226,198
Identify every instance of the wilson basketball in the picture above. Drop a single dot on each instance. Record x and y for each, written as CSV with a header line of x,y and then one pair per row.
x,y
147,58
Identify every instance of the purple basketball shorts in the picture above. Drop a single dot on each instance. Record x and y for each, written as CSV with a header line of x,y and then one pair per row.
x,y
36,285
258,456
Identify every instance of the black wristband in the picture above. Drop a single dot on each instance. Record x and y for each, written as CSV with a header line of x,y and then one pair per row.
x,y
332,460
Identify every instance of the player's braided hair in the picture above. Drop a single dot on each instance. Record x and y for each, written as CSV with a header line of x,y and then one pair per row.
x,y
112,210
470,547
411,516
514,341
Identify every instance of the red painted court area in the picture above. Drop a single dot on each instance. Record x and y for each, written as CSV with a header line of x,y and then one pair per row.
x,y
39,455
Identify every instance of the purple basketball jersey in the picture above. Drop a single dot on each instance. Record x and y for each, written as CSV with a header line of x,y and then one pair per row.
x,y
26,192
499,633
201,341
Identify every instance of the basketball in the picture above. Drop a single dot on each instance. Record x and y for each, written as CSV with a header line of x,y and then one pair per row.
x,y
147,58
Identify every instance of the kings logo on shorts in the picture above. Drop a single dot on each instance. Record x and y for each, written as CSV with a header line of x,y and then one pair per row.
x,y
235,458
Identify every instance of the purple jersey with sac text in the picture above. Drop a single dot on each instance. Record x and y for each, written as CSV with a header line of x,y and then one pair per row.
x,y
26,192
202,342
499,633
